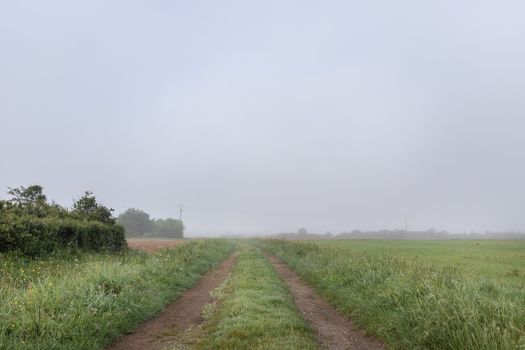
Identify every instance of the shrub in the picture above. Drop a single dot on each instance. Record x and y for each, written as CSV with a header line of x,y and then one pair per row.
x,y
31,226
34,236
87,208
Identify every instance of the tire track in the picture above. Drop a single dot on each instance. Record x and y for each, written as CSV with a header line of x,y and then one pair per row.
x,y
333,331
181,315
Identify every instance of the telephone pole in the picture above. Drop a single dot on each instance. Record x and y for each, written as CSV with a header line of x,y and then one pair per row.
x,y
181,208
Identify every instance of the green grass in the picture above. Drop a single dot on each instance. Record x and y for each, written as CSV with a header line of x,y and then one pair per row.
x,y
256,311
86,301
413,298
411,294
490,258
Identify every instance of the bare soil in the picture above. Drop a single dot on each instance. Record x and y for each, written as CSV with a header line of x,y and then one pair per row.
x,y
179,316
333,331
153,244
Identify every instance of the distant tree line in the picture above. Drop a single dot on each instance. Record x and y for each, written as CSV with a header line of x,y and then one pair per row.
x,y
430,234
137,223
30,225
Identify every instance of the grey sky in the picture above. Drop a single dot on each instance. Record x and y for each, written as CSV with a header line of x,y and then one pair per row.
x,y
267,116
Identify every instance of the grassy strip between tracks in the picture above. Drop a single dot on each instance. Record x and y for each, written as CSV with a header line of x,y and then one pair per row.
x,y
85,301
410,302
256,310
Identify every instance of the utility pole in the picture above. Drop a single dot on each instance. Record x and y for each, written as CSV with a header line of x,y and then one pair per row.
x,y
181,208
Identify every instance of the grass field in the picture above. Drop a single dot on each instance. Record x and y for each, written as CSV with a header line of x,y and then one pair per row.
x,y
420,295
409,294
84,301
499,260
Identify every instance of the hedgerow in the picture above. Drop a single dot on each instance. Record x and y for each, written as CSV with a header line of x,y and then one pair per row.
x,y
33,227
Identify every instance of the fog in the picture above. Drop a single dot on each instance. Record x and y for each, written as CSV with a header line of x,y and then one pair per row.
x,y
264,117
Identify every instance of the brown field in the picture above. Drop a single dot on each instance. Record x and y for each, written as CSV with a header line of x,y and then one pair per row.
x,y
153,244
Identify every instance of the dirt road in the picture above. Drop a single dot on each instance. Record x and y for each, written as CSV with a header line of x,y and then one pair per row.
x,y
178,316
333,331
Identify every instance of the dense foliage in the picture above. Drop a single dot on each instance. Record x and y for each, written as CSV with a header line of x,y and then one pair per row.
x,y
137,223
169,227
32,226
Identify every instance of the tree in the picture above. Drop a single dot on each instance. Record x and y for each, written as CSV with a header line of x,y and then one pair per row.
x,y
27,196
169,227
29,200
87,208
136,222
302,231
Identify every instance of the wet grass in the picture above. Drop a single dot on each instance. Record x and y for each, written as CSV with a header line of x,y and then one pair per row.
x,y
411,300
85,301
489,258
256,310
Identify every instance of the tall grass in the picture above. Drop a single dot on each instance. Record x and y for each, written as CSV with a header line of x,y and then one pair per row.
x,y
412,303
85,301
257,311
498,260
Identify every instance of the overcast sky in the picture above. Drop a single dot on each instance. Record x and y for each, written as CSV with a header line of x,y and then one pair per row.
x,y
268,116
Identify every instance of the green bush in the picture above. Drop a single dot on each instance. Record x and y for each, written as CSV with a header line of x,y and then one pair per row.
x,y
31,226
34,236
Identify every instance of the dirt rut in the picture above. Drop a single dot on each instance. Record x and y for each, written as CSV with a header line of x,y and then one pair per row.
x,y
333,331
179,316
